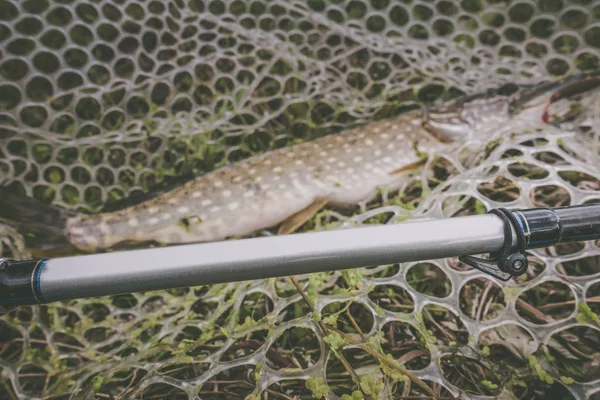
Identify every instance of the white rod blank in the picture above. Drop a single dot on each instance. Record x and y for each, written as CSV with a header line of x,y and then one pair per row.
x,y
257,258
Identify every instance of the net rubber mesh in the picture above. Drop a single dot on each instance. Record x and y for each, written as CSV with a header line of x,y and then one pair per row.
x,y
103,100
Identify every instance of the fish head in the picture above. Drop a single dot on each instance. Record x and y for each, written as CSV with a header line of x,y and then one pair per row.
x,y
545,103
458,119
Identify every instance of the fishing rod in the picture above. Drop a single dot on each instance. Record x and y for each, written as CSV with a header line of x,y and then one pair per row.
x,y
503,234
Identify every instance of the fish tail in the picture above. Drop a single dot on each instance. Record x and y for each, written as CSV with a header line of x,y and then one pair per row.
x,y
43,226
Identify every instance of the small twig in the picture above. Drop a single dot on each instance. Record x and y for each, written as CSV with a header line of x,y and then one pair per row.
x,y
486,309
134,375
391,364
399,305
296,362
486,291
324,331
472,301
170,371
440,327
47,383
579,353
427,278
281,394
533,311
356,327
411,355
595,299
407,388
405,358
366,348
255,344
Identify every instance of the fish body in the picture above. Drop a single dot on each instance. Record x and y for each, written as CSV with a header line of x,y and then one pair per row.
x,y
347,169
261,192
289,184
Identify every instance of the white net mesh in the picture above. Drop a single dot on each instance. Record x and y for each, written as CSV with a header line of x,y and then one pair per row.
x,y
105,99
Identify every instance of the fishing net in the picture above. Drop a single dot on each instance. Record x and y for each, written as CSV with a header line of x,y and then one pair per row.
x,y
101,101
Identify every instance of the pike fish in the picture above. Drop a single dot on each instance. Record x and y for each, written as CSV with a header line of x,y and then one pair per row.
x,y
286,187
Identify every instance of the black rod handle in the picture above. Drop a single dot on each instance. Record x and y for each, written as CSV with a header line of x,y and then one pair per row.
x,y
545,227
19,283
579,223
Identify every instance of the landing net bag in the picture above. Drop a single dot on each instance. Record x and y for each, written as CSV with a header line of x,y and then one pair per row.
x,y
101,101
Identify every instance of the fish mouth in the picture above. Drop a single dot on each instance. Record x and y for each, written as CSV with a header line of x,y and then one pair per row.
x,y
542,96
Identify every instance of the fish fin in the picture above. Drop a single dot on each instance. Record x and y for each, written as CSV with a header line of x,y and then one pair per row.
x,y
291,224
436,134
410,167
42,225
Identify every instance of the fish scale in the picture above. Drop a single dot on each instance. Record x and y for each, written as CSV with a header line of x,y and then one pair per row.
x,y
348,169
262,191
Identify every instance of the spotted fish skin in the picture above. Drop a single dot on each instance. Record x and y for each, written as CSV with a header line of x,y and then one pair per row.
x,y
285,186
260,192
